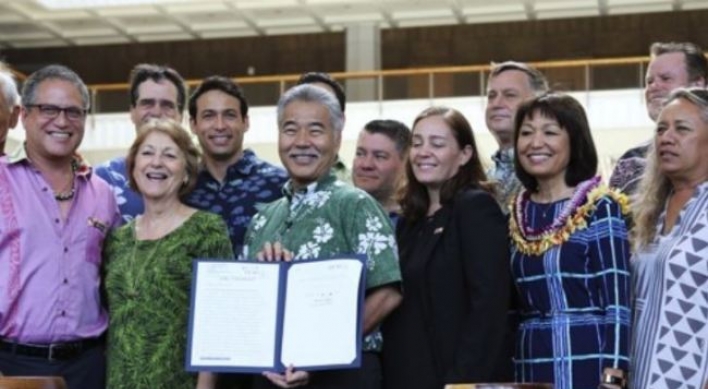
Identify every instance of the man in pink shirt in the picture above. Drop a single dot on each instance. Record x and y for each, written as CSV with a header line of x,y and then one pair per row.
x,y
54,216
9,104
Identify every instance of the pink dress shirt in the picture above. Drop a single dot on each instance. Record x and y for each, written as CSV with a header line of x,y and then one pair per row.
x,y
50,269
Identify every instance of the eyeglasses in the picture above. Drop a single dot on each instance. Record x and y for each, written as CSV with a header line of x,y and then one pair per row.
x,y
48,111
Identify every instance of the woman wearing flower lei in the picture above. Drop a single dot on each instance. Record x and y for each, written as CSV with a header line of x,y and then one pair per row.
x,y
570,251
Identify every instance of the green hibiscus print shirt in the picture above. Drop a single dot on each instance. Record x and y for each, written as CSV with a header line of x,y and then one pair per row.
x,y
330,218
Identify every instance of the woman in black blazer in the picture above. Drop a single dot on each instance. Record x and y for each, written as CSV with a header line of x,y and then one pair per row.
x,y
454,257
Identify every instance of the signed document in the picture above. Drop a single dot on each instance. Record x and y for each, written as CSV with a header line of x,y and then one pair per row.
x,y
264,316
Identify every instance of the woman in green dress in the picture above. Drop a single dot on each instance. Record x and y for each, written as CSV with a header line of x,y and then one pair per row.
x,y
148,267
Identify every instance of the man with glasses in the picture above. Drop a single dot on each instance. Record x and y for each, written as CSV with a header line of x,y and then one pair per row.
x,y
155,92
9,104
54,216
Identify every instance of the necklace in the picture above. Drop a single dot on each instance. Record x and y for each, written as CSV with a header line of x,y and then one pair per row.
x,y
545,208
573,217
65,196
68,195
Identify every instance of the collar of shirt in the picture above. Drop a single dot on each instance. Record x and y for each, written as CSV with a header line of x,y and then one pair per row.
x,y
78,164
243,167
503,156
322,183
296,197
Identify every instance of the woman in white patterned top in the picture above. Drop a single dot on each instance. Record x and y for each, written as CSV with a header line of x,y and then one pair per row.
x,y
670,333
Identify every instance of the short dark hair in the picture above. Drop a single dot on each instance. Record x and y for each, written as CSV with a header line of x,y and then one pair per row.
x,y
325,78
53,72
180,136
144,71
415,200
537,81
220,83
695,60
398,132
570,116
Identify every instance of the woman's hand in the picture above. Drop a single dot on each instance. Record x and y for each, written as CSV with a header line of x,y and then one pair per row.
x,y
274,252
291,378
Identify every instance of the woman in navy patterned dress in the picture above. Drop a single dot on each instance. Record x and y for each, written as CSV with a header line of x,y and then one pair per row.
x,y
570,251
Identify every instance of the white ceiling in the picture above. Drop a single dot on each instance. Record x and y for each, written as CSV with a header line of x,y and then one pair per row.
x,y
29,23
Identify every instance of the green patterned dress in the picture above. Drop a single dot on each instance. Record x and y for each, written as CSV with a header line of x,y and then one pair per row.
x,y
148,287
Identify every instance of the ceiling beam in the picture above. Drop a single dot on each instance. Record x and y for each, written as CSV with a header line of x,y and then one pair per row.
x,y
319,20
530,9
248,18
184,25
457,11
603,8
115,24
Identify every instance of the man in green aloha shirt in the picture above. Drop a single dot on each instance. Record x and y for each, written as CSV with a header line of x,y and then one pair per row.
x,y
320,216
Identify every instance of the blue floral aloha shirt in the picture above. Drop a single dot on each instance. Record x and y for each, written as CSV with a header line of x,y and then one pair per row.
x,y
330,218
248,183
130,203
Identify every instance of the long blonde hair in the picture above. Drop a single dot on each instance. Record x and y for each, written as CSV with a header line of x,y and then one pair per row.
x,y
655,187
648,203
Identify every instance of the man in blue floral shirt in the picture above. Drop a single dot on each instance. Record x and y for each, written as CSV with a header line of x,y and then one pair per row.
x,y
155,92
233,181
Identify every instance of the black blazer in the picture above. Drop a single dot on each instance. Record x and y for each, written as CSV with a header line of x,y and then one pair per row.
x,y
466,289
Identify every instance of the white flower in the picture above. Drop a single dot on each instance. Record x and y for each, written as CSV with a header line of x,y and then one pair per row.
x,y
373,223
394,245
117,176
323,233
308,250
373,241
318,199
258,222
370,264
118,194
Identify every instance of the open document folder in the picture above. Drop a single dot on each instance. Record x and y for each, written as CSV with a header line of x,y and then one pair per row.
x,y
265,316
